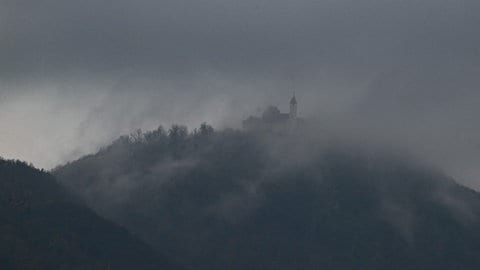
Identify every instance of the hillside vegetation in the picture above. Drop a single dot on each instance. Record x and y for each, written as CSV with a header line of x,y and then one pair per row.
x,y
44,227
244,200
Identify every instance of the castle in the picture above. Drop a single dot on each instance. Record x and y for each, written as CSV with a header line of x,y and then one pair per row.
x,y
274,120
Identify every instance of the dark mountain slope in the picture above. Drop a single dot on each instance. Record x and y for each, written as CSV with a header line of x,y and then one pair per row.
x,y
41,227
235,200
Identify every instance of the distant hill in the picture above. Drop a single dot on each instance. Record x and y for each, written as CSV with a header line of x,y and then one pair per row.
x,y
235,200
43,227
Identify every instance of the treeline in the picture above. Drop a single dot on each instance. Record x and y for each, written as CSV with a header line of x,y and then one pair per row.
x,y
176,141
175,133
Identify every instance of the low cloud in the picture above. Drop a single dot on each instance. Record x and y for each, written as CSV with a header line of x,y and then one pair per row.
x,y
74,76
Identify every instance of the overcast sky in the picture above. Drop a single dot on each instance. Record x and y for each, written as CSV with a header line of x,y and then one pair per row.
x,y
75,74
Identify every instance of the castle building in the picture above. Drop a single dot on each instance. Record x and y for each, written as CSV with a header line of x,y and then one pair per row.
x,y
274,120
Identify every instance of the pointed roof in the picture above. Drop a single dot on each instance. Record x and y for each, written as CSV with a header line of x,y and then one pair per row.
x,y
293,100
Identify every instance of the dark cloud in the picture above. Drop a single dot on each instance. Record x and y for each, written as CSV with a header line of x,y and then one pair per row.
x,y
75,74
248,36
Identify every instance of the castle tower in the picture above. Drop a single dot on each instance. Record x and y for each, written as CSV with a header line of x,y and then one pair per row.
x,y
293,108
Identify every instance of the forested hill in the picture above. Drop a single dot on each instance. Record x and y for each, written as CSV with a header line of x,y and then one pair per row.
x,y
238,200
43,227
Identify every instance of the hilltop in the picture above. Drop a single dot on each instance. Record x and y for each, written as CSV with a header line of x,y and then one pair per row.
x,y
241,200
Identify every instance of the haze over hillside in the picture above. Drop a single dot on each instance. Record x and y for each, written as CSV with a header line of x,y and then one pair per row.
x,y
288,199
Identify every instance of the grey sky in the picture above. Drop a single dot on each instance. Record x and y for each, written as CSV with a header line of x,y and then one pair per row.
x,y
75,74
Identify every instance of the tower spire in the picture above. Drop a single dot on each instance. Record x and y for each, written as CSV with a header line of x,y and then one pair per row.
x,y
293,107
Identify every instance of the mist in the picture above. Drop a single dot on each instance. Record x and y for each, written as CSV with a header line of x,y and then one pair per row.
x,y
75,76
